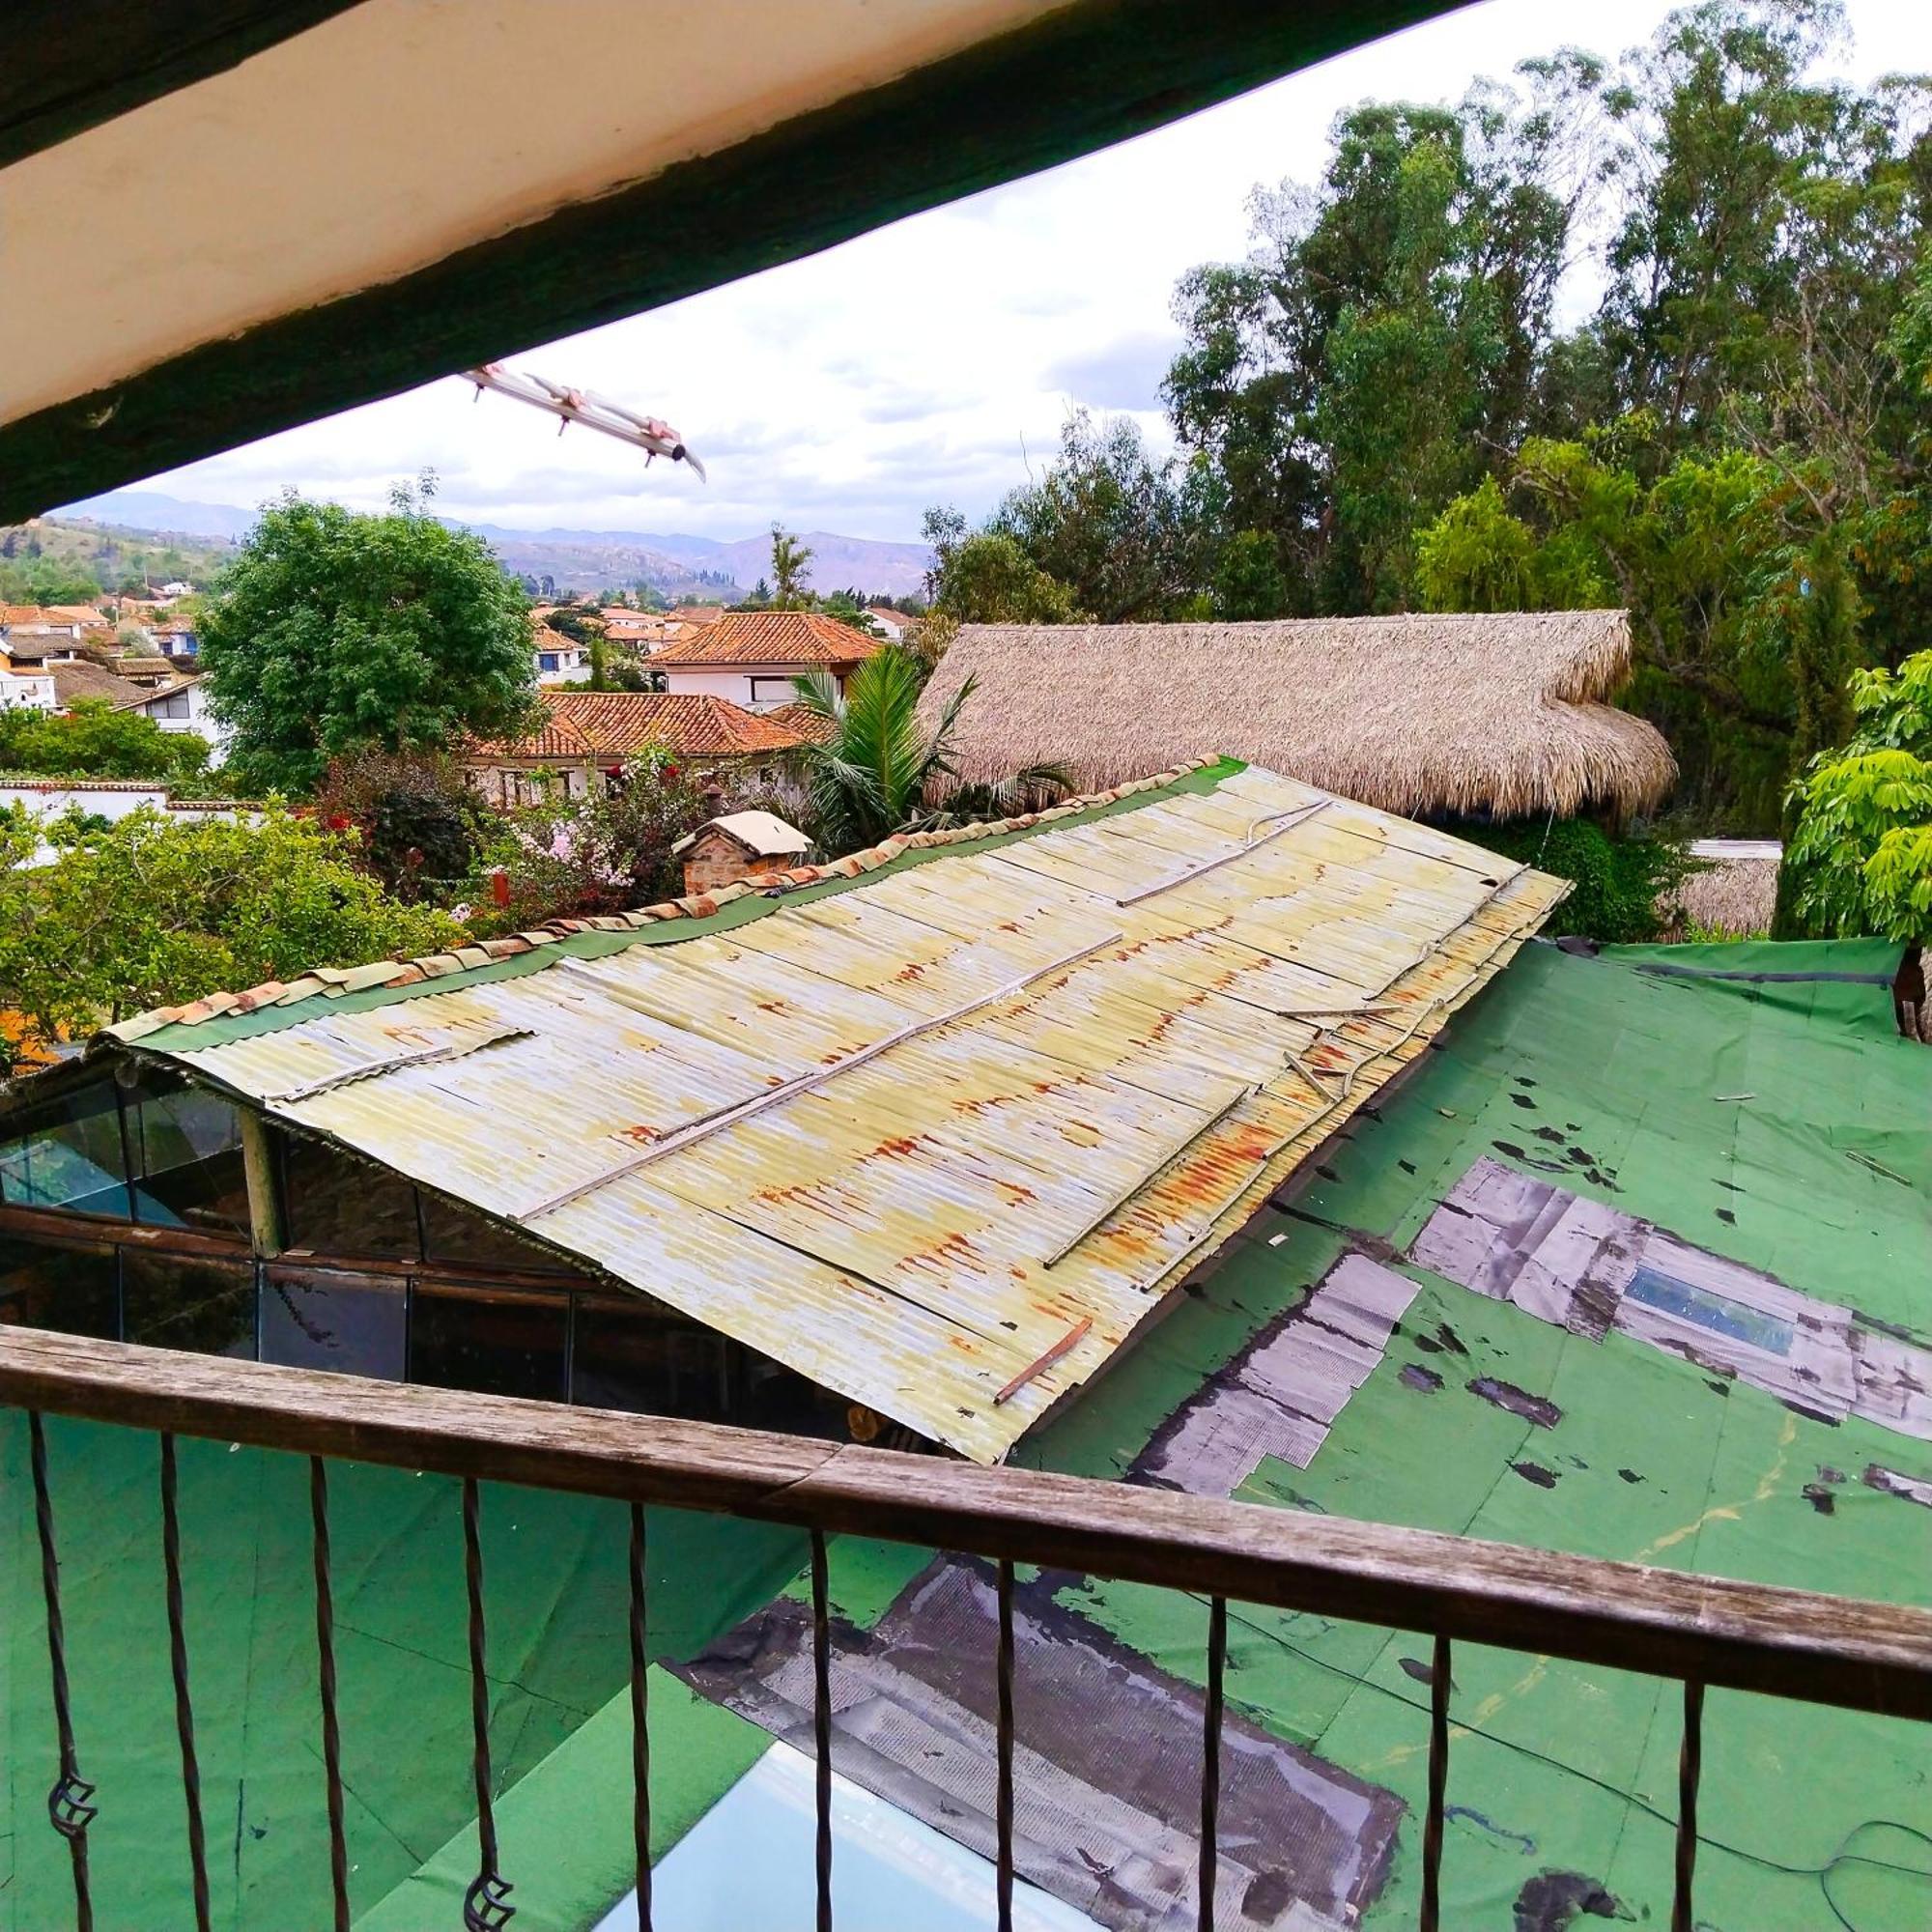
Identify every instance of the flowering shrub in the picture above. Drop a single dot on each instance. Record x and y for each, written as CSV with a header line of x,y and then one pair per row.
x,y
569,858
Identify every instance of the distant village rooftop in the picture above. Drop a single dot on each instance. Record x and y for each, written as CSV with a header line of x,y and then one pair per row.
x,y
619,724
807,638
1507,715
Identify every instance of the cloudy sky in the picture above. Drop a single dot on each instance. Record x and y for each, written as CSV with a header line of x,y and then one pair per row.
x,y
934,360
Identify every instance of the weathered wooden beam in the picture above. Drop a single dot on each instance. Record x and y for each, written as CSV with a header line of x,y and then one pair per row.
x,y
266,1231
1790,1644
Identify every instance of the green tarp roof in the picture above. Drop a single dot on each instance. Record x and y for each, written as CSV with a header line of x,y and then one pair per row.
x,y
1562,1778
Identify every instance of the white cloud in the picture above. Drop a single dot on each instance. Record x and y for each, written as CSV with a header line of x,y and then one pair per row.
x,y
975,325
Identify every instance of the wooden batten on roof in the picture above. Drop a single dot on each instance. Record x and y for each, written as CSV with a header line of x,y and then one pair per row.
x,y
1504,714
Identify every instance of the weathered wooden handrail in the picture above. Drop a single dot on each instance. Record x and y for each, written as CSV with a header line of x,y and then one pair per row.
x,y
1794,1643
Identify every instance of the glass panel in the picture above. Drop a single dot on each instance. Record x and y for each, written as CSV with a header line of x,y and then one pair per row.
x,y
463,1237
649,1360
772,1395
492,1342
356,1324
42,1286
337,1206
173,1302
184,1146
66,1152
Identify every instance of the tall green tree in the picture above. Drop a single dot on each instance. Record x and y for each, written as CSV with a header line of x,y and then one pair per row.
x,y
333,630
1381,345
984,576
1127,536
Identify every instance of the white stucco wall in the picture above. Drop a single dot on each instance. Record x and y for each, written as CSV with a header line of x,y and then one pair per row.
x,y
734,682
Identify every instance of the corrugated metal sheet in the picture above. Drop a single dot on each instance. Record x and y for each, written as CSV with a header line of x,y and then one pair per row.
x,y
917,1229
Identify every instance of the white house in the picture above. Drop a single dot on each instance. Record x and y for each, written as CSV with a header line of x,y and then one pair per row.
x,y
894,623
184,707
27,691
559,660
751,657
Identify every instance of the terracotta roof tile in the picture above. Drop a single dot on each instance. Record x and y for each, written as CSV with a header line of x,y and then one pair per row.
x,y
807,639
616,724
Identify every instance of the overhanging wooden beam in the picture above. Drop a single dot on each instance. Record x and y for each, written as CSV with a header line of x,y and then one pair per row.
x,y
1088,75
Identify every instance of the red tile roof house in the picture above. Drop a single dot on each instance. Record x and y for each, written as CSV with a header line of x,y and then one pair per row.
x,y
586,736
751,657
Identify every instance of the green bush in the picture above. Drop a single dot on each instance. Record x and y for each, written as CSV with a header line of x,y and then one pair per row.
x,y
1624,884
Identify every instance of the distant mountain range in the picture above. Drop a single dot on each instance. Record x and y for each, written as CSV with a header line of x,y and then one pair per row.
x,y
679,566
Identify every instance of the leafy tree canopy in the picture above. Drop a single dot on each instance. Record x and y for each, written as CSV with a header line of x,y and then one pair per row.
x,y
1861,859
332,630
94,740
152,911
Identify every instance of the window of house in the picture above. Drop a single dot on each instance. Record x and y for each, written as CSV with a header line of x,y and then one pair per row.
x,y
178,1301
546,660
356,1324
336,1205
490,1340
185,1156
650,1360
462,1237
772,690
67,1152
174,705
72,1291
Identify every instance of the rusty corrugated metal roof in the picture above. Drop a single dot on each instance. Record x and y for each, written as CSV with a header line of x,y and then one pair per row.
x,y
944,1142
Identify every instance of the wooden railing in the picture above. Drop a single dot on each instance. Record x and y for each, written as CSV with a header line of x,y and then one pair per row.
x,y
1701,1631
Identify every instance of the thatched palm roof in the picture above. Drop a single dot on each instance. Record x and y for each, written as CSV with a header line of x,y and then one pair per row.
x,y
1504,714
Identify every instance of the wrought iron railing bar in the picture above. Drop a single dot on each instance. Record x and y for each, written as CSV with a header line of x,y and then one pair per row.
x,y
332,1731
1817,1649
1002,1799
1689,1769
197,1837
640,1735
1211,1761
821,1723
69,1810
485,1905
1438,1785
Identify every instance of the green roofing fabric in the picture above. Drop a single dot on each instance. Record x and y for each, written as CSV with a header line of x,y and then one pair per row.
x,y
1562,1783
556,1595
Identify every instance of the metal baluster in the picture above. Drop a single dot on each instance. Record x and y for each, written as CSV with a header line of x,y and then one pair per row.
x,y
485,1905
821,1721
1210,1758
1689,1765
67,1809
1438,1785
197,1837
640,1737
1003,1800
332,1734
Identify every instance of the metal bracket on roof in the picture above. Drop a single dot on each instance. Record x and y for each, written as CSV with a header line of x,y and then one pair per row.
x,y
1292,818
708,1125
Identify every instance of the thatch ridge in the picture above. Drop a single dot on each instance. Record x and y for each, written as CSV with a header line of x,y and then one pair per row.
x,y
1506,714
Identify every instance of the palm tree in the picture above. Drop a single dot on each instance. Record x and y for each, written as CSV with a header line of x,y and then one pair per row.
x,y
871,775
789,560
